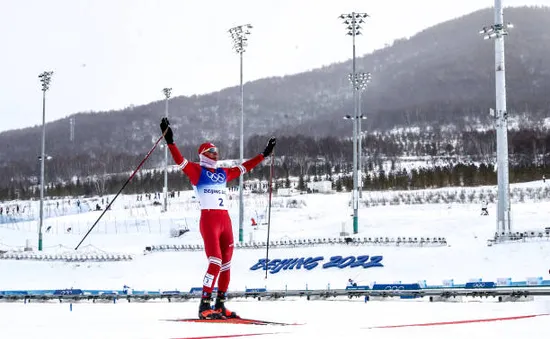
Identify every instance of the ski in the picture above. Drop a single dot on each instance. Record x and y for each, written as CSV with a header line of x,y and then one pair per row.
x,y
242,321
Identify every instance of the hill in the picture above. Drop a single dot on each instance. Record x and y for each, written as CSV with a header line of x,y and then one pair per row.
x,y
442,76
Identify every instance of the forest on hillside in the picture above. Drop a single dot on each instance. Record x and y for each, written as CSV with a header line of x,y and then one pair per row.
x,y
448,160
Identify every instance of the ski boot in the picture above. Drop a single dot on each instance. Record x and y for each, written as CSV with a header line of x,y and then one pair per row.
x,y
206,311
221,309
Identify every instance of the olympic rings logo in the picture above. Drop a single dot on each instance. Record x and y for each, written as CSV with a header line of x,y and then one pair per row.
x,y
478,285
394,288
216,177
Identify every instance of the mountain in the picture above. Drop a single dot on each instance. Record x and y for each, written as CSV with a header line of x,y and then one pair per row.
x,y
443,75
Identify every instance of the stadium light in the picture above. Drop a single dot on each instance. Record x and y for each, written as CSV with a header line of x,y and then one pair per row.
x,y
167,91
239,35
498,31
45,79
352,22
361,81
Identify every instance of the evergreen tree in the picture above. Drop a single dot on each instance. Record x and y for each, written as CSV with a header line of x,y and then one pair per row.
x,y
301,183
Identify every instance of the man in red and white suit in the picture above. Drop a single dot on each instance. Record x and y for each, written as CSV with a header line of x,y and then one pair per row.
x,y
216,230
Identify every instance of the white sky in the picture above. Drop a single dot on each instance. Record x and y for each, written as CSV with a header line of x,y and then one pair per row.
x,y
111,54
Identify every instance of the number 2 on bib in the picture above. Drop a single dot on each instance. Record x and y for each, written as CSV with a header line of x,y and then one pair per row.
x,y
221,202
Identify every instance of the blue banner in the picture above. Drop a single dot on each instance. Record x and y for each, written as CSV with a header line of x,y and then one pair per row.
x,y
480,284
357,288
68,292
14,293
171,292
198,290
396,287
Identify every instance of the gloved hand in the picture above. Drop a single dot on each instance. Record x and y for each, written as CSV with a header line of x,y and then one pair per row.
x,y
165,126
269,148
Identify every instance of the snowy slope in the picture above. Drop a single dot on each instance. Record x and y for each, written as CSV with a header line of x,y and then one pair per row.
x,y
131,226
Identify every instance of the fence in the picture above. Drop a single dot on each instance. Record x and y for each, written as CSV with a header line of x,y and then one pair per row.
x,y
381,291
124,217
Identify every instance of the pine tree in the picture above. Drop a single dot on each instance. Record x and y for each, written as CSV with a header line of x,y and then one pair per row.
x,y
301,183
338,185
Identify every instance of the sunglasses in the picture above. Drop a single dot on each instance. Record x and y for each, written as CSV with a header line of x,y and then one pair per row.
x,y
211,150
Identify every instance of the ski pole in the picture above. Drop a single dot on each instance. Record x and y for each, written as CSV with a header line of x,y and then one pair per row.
x,y
269,209
123,186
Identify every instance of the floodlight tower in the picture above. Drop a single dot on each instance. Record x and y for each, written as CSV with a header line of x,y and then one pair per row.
x,y
167,91
71,128
361,81
352,22
239,35
45,78
497,32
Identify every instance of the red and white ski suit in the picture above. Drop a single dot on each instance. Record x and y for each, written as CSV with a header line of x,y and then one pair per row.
x,y
215,224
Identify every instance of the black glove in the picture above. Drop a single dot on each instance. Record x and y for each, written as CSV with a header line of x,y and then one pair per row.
x,y
269,148
165,126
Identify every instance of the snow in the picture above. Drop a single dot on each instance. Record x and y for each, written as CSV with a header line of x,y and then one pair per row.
x,y
130,226
326,319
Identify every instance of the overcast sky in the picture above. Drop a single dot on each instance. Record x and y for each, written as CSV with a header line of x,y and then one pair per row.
x,y
110,54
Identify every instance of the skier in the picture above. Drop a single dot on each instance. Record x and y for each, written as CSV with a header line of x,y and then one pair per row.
x,y
484,210
210,183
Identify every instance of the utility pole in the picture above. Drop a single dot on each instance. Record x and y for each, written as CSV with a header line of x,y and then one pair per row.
x,y
497,32
352,22
71,131
45,78
239,35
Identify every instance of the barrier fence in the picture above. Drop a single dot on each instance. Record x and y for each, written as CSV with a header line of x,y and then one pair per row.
x,y
482,289
127,217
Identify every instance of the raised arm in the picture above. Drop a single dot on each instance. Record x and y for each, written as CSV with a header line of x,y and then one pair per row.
x,y
191,169
247,166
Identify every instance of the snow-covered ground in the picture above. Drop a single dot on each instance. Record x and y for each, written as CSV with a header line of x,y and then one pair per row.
x,y
131,226
317,319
